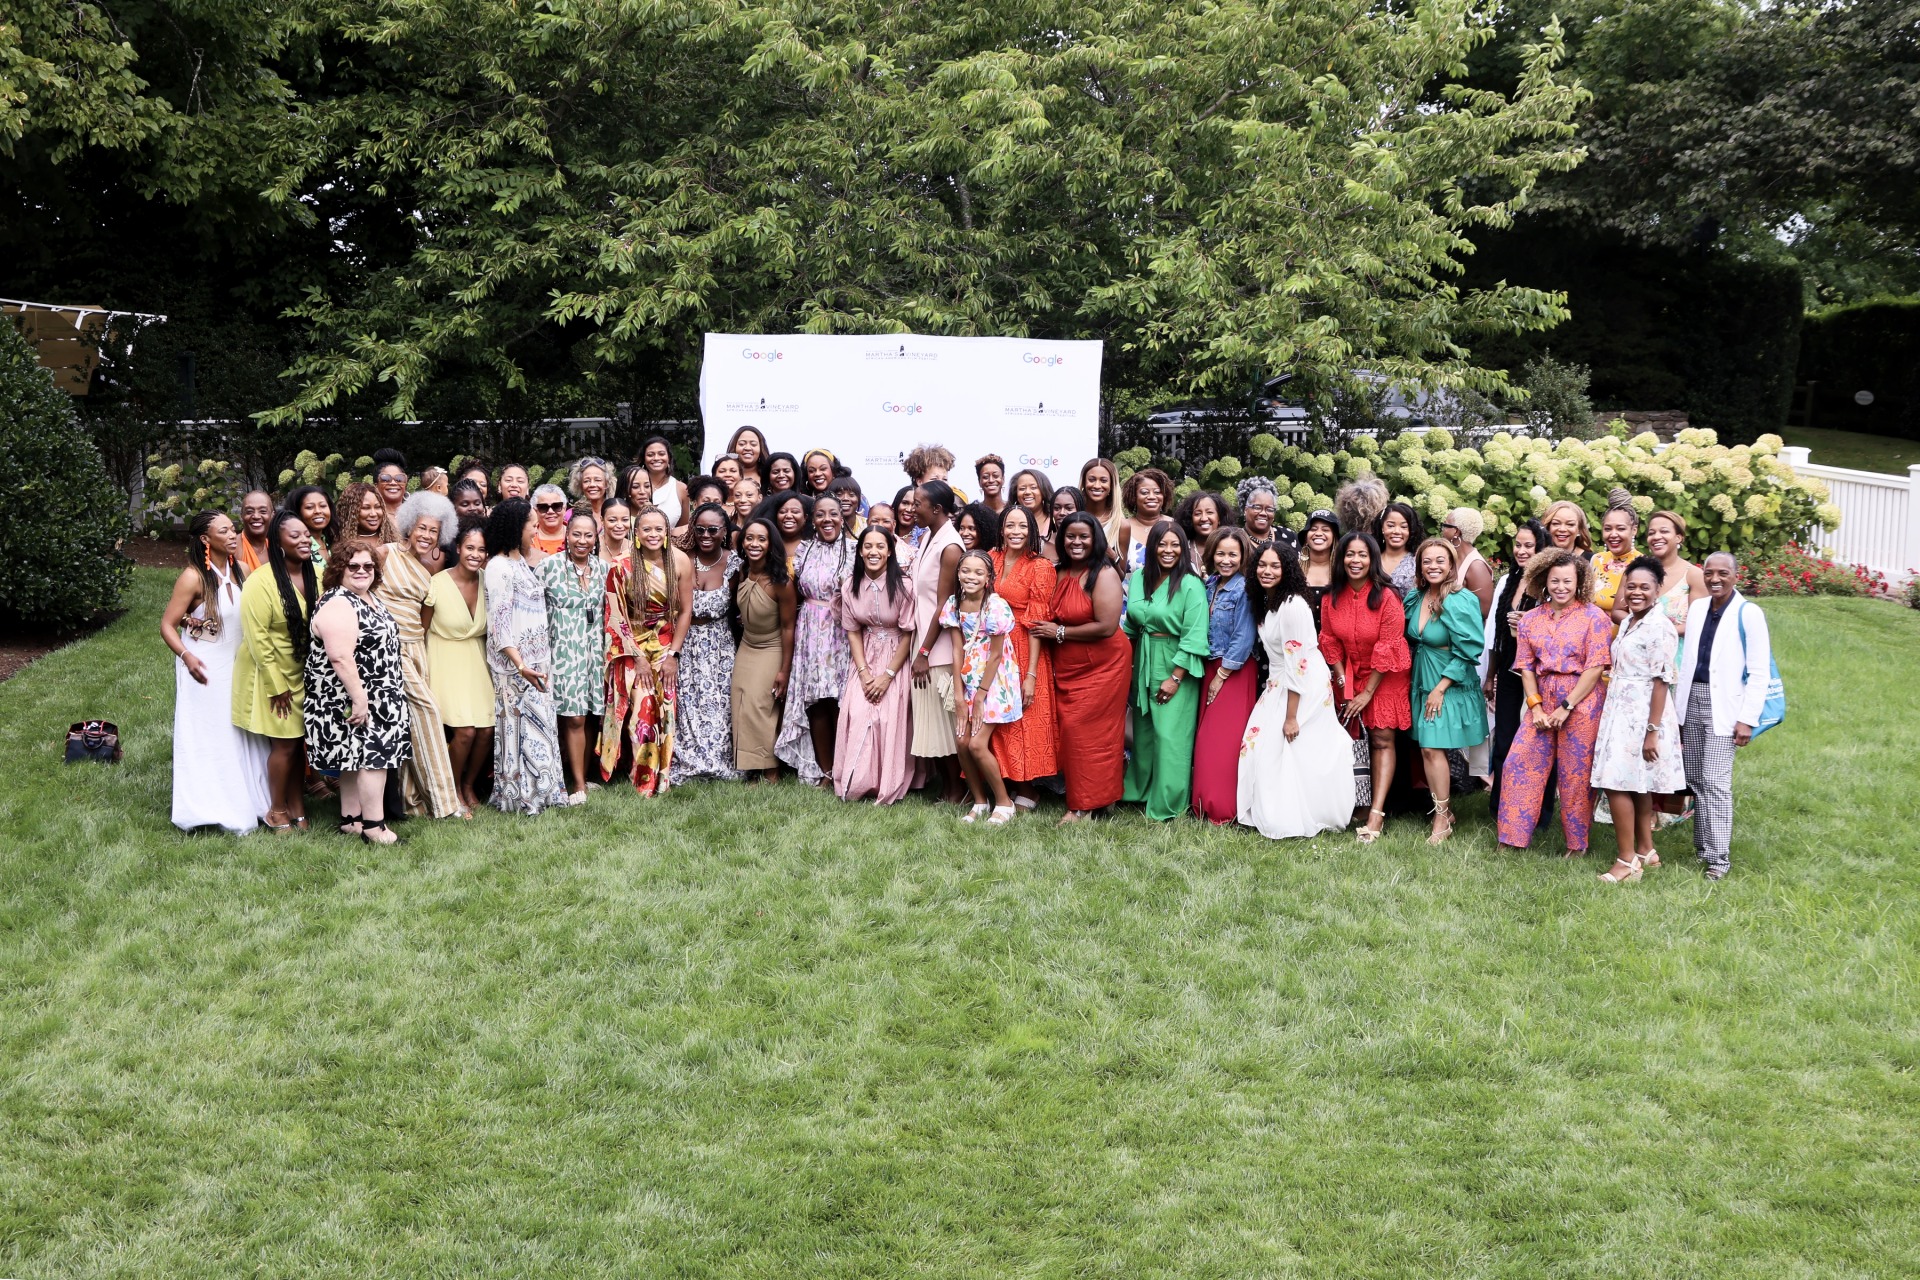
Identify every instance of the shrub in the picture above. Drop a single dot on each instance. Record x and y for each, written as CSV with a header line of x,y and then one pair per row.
x,y
62,521
1557,403
1798,572
176,491
1742,499
1911,593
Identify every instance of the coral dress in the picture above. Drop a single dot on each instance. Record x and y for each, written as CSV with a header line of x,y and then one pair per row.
x,y
641,722
1028,748
1091,681
1358,641
872,747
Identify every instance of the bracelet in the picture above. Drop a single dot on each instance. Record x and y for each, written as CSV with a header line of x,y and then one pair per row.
x,y
1533,699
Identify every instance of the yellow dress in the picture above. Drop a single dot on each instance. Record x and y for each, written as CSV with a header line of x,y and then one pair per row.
x,y
265,666
457,655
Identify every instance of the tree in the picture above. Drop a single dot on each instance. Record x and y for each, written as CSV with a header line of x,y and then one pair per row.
x,y
61,520
1218,189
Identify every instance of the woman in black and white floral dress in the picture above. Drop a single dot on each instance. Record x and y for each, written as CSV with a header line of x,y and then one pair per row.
x,y
357,721
526,739
703,730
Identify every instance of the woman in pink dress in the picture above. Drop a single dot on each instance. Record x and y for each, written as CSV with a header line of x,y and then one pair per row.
x,y
876,722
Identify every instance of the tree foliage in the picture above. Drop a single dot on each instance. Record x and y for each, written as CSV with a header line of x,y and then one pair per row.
x,y
1215,188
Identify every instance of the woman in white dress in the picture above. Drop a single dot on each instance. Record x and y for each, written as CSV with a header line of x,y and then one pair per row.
x,y
219,771
1296,764
1637,753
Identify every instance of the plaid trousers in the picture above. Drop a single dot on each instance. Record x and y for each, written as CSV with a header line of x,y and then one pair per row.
x,y
1709,761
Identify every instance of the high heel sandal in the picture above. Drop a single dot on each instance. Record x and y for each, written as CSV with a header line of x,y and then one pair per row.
x,y
1613,874
1441,809
368,828
271,825
1368,834
973,814
1648,860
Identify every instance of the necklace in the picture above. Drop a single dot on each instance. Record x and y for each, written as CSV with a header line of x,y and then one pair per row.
x,y
702,565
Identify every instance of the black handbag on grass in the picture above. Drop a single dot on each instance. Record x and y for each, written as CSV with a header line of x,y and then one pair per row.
x,y
96,740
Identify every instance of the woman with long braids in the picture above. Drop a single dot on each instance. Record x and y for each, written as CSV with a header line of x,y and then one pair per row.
x,y
1295,778
219,770
821,654
428,784
875,732
703,716
646,605
269,672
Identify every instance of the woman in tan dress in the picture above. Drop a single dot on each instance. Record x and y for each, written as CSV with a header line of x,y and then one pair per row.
x,y
406,581
764,605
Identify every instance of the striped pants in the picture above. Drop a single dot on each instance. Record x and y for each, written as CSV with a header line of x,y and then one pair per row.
x,y
1709,760
431,788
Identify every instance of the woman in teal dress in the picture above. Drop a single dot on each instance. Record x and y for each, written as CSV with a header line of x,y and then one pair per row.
x,y
1446,633
1167,620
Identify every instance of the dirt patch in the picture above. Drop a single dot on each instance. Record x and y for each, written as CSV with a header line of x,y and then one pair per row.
x,y
19,645
157,553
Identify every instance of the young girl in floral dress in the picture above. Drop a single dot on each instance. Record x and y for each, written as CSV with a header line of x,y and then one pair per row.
x,y
986,681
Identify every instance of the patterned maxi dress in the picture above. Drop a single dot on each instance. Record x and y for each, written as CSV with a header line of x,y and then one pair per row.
x,y
333,745
430,786
872,747
1557,650
821,655
576,621
526,743
703,718
641,722
1029,747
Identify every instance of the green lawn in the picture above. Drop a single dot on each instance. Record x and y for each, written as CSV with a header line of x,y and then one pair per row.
x,y
737,1033
1855,449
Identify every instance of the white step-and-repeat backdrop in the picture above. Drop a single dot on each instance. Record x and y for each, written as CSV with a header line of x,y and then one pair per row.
x,y
871,399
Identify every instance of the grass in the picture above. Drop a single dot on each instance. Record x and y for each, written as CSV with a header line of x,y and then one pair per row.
x,y
1855,449
750,1034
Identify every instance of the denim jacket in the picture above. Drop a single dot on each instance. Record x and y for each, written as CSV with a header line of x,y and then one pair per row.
x,y
1230,628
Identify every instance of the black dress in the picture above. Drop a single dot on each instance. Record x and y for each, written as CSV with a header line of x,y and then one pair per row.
x,y
1509,695
384,741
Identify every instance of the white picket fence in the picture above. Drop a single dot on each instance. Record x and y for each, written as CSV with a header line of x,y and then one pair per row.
x,y
1880,515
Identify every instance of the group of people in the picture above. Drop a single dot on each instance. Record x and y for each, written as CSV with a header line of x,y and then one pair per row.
x,y
429,641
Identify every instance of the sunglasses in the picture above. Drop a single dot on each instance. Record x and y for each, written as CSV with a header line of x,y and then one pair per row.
x,y
359,567
549,507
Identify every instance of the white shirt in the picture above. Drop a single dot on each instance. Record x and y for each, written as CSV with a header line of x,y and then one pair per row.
x,y
1739,681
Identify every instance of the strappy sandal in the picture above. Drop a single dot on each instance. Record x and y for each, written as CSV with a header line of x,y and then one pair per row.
x,y
1613,874
1718,871
349,824
1368,834
300,823
973,814
368,828
1648,860
1027,803
1002,815
1441,809
271,825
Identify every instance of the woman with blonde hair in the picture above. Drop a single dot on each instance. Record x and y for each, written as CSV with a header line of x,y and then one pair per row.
x,y
648,603
1446,633
1567,527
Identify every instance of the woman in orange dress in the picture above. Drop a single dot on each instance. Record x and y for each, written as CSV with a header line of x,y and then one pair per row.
x,y
1092,669
1026,748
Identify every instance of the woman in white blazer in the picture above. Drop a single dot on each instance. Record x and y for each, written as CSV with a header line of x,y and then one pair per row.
x,y
1724,671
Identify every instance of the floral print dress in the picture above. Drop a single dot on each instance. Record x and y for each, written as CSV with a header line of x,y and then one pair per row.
x,y
576,604
703,725
1644,653
822,657
384,741
1000,704
641,722
526,743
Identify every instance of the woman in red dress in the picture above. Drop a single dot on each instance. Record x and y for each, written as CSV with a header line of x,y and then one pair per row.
x,y
1362,637
1025,749
1092,669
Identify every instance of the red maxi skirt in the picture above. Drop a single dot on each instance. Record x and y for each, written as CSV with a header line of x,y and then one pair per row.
x,y
1216,744
1092,680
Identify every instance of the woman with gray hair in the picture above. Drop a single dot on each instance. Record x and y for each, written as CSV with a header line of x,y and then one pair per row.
x,y
1259,502
587,481
427,527
550,524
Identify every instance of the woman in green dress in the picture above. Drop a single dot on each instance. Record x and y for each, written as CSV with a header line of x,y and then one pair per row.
x,y
1167,620
269,671
576,587
1446,633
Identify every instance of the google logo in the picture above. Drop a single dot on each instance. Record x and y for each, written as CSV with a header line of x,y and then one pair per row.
x,y
769,354
1028,357
1028,460
888,406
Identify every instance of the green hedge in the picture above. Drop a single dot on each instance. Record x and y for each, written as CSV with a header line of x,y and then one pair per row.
x,y
1872,347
